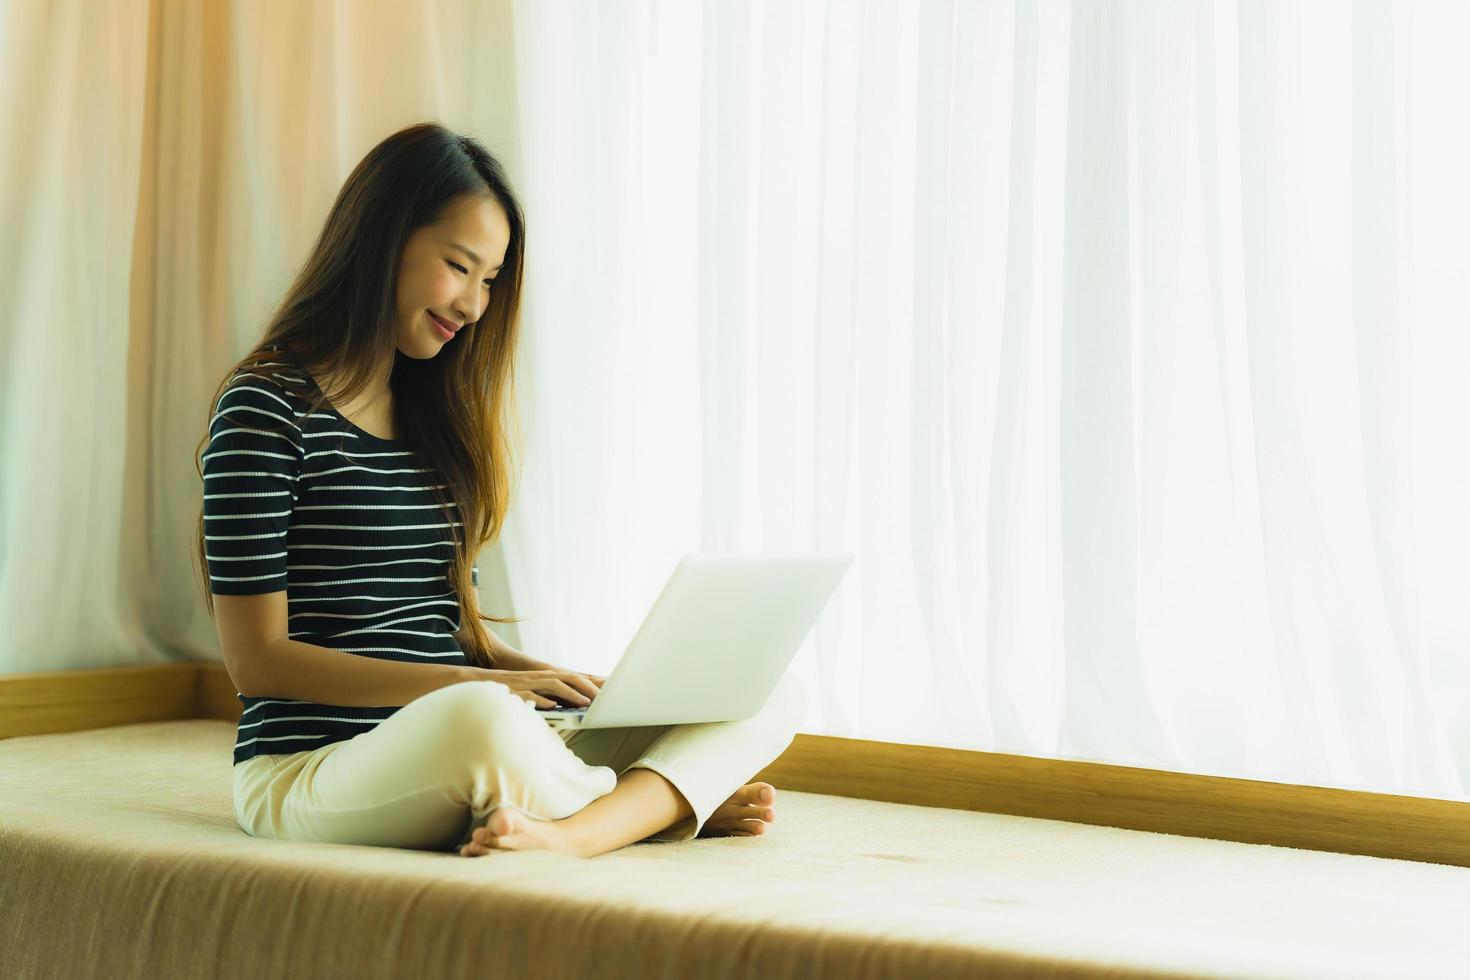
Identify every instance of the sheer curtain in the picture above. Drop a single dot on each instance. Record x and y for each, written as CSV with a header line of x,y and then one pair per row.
x,y
1123,343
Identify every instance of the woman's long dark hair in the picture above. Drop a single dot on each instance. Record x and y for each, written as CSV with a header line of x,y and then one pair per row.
x,y
458,407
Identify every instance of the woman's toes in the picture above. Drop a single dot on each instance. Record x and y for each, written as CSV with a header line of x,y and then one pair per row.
x,y
501,823
743,810
758,793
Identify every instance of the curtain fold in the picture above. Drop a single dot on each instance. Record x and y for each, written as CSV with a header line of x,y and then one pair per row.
x,y
1124,343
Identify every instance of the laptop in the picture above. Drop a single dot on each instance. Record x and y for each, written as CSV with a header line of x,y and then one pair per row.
x,y
718,638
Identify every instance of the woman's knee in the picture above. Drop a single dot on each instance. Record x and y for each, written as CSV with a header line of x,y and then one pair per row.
x,y
483,710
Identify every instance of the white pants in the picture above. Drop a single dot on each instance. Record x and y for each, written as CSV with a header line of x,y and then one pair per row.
x,y
432,772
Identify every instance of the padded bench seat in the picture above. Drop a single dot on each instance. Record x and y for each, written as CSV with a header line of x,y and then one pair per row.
x,y
120,857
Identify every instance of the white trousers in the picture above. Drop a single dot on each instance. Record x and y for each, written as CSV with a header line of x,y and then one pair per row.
x,y
428,775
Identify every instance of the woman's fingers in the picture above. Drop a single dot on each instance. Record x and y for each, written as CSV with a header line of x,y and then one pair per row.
x,y
572,694
569,685
582,685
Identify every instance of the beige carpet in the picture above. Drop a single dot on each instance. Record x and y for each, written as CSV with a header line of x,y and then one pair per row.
x,y
120,857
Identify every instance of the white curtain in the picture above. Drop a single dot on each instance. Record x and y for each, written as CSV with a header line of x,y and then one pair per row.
x,y
1123,343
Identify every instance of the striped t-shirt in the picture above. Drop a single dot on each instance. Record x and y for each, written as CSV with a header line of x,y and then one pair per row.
x,y
345,522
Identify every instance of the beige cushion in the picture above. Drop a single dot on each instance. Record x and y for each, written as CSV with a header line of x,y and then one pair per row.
x,y
120,856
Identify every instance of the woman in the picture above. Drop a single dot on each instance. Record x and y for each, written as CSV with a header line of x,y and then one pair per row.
x,y
357,461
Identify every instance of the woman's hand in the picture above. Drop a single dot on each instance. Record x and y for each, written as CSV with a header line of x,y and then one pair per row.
x,y
540,682
586,684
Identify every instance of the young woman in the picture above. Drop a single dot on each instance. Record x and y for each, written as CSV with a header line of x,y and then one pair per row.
x,y
358,459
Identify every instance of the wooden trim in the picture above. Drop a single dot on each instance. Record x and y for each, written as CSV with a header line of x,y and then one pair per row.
x,y
75,700
1319,818
1412,828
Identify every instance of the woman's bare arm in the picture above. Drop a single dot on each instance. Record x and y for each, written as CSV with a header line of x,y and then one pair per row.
x,y
506,656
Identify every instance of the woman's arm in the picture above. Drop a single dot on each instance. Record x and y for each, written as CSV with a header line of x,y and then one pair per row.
x,y
506,656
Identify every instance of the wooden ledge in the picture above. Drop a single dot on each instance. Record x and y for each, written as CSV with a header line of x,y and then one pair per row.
x,y
75,700
1251,811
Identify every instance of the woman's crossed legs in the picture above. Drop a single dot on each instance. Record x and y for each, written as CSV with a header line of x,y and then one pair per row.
x,y
475,763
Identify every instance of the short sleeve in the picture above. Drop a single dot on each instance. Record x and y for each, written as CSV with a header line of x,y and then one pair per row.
x,y
251,468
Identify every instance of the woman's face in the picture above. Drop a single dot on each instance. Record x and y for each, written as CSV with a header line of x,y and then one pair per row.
x,y
438,277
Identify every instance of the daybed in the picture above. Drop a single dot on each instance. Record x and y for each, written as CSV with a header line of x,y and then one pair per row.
x,y
120,857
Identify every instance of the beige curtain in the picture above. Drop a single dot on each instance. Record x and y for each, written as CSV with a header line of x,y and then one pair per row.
x,y
165,165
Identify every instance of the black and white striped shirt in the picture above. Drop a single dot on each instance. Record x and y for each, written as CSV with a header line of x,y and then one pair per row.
x,y
345,523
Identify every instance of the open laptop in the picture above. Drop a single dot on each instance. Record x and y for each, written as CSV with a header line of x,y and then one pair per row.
x,y
717,640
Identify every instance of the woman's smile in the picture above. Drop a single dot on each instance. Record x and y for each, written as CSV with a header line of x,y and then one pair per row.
x,y
445,333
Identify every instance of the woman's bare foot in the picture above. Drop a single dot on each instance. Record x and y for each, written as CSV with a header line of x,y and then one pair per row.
x,y
508,829
744,814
